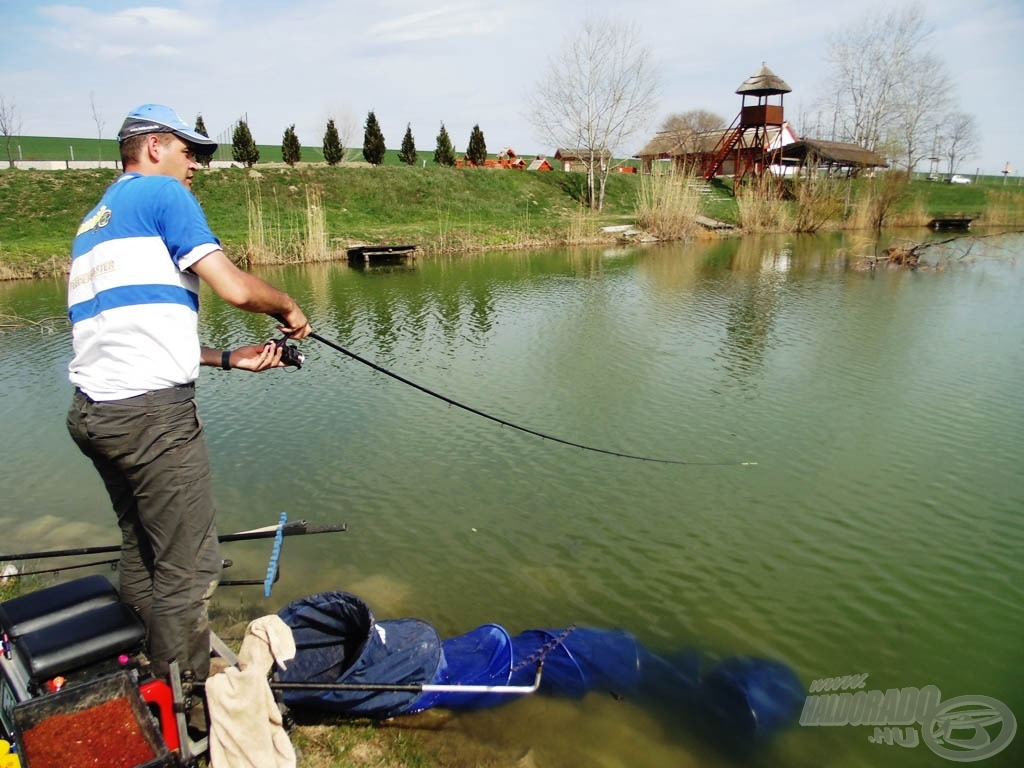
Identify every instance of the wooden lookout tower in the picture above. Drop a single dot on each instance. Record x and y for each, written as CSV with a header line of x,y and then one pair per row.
x,y
747,140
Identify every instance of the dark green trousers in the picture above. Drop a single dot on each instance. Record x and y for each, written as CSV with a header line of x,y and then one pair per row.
x,y
151,452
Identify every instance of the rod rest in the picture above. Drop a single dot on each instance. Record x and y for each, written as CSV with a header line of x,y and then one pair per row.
x,y
53,605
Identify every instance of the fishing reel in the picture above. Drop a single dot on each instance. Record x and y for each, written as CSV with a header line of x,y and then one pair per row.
x,y
290,354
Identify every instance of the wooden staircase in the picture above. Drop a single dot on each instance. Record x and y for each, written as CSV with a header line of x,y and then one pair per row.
x,y
725,145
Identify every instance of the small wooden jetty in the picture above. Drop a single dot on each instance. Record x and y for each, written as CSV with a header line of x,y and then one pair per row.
x,y
950,222
377,254
709,223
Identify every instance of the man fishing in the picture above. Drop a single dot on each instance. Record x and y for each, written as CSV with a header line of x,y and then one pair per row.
x,y
133,301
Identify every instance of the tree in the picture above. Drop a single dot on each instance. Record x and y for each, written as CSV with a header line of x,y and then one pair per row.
x,y
444,152
889,92
98,119
349,127
10,126
291,149
923,98
685,127
408,152
690,123
204,159
243,148
867,61
598,92
960,139
334,152
476,153
373,141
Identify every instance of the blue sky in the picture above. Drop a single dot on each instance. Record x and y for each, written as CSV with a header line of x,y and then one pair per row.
x,y
462,62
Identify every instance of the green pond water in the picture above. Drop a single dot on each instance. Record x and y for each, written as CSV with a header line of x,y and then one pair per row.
x,y
876,529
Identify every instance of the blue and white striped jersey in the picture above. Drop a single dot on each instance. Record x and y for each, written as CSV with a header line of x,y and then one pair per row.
x,y
132,303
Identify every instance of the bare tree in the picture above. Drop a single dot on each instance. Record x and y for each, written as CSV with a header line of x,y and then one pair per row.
x,y
869,64
98,119
10,125
685,126
348,127
598,91
922,98
960,139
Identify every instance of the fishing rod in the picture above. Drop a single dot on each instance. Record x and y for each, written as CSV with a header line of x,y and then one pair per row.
x,y
506,423
295,528
519,690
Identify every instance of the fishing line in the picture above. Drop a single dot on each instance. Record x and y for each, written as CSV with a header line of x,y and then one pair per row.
x,y
527,430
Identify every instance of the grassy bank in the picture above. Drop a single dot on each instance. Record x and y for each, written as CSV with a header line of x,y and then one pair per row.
x,y
438,209
275,213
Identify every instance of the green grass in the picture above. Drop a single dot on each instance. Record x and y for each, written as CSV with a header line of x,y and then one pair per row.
x,y
39,213
422,206
433,207
9,588
61,148
941,199
92,149
436,208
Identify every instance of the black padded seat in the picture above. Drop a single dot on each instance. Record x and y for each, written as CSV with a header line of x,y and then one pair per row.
x,y
53,605
101,633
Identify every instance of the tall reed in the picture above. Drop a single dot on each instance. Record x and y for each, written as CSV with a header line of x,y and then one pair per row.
x,y
444,227
315,247
1004,208
270,241
820,200
668,205
761,207
916,215
582,226
264,241
874,205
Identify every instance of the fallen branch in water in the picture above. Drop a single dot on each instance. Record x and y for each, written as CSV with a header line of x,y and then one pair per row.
x,y
47,324
904,256
909,256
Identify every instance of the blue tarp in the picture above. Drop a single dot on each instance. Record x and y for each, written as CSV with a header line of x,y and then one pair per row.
x,y
338,640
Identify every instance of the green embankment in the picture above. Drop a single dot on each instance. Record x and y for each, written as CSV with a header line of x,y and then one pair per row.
x,y
91,150
269,212
439,209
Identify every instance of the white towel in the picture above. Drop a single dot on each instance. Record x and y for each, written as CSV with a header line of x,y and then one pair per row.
x,y
245,722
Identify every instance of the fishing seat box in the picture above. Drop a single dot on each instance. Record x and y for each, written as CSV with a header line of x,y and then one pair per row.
x,y
68,626
52,605
76,699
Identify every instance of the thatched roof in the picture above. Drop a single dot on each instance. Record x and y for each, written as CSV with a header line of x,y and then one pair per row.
x,y
764,83
833,152
664,144
667,144
581,154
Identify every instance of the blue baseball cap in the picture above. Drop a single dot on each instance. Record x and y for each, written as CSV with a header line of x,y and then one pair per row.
x,y
156,118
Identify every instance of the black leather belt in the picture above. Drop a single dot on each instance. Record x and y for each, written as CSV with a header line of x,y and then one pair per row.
x,y
176,394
